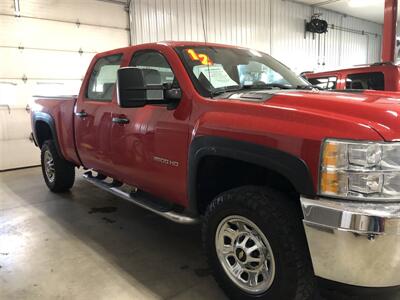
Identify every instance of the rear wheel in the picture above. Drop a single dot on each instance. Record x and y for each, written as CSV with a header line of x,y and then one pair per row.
x,y
58,173
256,246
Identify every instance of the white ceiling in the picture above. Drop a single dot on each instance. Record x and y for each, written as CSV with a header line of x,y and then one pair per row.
x,y
371,10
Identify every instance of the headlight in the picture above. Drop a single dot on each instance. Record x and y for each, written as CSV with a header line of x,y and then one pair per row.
x,y
360,170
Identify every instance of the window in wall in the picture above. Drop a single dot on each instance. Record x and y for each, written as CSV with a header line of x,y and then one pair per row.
x,y
326,83
158,70
103,78
366,81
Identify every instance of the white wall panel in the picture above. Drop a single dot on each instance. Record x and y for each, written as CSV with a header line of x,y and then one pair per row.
x,y
287,39
227,21
273,26
374,48
42,47
86,11
48,27
16,150
354,49
43,64
7,6
58,35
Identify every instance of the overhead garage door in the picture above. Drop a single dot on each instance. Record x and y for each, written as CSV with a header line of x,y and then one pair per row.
x,y
45,48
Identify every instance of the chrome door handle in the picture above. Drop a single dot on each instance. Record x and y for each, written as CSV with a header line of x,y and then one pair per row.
x,y
81,114
120,120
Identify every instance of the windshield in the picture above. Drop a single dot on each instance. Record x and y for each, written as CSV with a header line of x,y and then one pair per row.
x,y
216,70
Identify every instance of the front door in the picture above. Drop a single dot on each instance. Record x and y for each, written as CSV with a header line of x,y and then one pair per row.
x,y
93,115
150,151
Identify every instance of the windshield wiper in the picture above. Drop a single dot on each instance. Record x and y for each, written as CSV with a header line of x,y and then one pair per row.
x,y
224,90
308,87
268,86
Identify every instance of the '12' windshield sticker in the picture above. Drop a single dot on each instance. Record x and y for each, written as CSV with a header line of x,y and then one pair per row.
x,y
215,74
204,59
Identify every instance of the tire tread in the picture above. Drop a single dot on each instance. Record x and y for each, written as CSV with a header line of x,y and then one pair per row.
x,y
269,202
64,170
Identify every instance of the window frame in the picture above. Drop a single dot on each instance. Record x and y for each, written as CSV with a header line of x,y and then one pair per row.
x,y
87,98
327,83
143,51
365,73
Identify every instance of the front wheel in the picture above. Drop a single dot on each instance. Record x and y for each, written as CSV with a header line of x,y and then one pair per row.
x,y
256,246
58,173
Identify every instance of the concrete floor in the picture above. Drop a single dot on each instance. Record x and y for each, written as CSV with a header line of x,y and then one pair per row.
x,y
88,244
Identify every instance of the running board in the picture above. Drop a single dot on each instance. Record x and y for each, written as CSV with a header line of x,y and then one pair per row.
x,y
166,212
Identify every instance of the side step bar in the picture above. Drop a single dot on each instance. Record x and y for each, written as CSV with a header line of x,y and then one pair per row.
x,y
166,212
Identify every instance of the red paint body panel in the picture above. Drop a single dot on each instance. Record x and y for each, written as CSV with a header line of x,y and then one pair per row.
x,y
391,73
61,109
295,122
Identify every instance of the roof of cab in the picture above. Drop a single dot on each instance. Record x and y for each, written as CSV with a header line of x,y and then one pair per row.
x,y
172,44
352,69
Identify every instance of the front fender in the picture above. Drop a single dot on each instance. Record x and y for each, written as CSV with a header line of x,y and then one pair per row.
x,y
289,166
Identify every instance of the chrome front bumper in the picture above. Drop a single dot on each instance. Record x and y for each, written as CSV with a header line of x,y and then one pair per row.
x,y
352,242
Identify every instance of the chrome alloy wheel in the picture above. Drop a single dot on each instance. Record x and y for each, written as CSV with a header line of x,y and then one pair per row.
x,y
49,166
245,254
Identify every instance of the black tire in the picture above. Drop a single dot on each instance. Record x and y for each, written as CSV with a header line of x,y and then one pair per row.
x,y
63,171
279,219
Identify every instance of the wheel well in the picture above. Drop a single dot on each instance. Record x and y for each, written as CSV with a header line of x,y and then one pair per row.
x,y
43,132
218,174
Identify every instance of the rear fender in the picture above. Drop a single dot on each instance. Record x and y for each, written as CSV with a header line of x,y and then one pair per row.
x,y
48,119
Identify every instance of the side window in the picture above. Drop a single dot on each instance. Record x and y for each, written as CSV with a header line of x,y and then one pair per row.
x,y
155,66
364,81
326,83
103,78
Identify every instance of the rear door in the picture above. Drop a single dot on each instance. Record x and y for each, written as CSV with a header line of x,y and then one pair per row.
x,y
93,114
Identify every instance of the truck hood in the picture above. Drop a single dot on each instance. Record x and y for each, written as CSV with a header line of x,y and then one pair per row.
x,y
375,109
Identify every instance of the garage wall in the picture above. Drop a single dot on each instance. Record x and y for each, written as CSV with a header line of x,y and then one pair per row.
x,y
45,49
53,41
273,26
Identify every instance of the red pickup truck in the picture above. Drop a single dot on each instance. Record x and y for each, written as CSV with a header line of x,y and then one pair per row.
x,y
293,185
378,76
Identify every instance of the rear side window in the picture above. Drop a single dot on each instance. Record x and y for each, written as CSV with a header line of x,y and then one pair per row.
x,y
156,68
326,83
103,78
366,81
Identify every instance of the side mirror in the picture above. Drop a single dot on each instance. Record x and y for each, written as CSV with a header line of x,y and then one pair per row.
x,y
133,89
173,94
138,87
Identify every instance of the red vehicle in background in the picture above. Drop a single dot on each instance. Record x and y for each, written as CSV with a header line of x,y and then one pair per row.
x,y
378,76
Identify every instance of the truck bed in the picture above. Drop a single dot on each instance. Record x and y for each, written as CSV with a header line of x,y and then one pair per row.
x,y
61,110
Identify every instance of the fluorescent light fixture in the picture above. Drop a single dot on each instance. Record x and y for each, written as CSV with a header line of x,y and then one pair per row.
x,y
363,3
